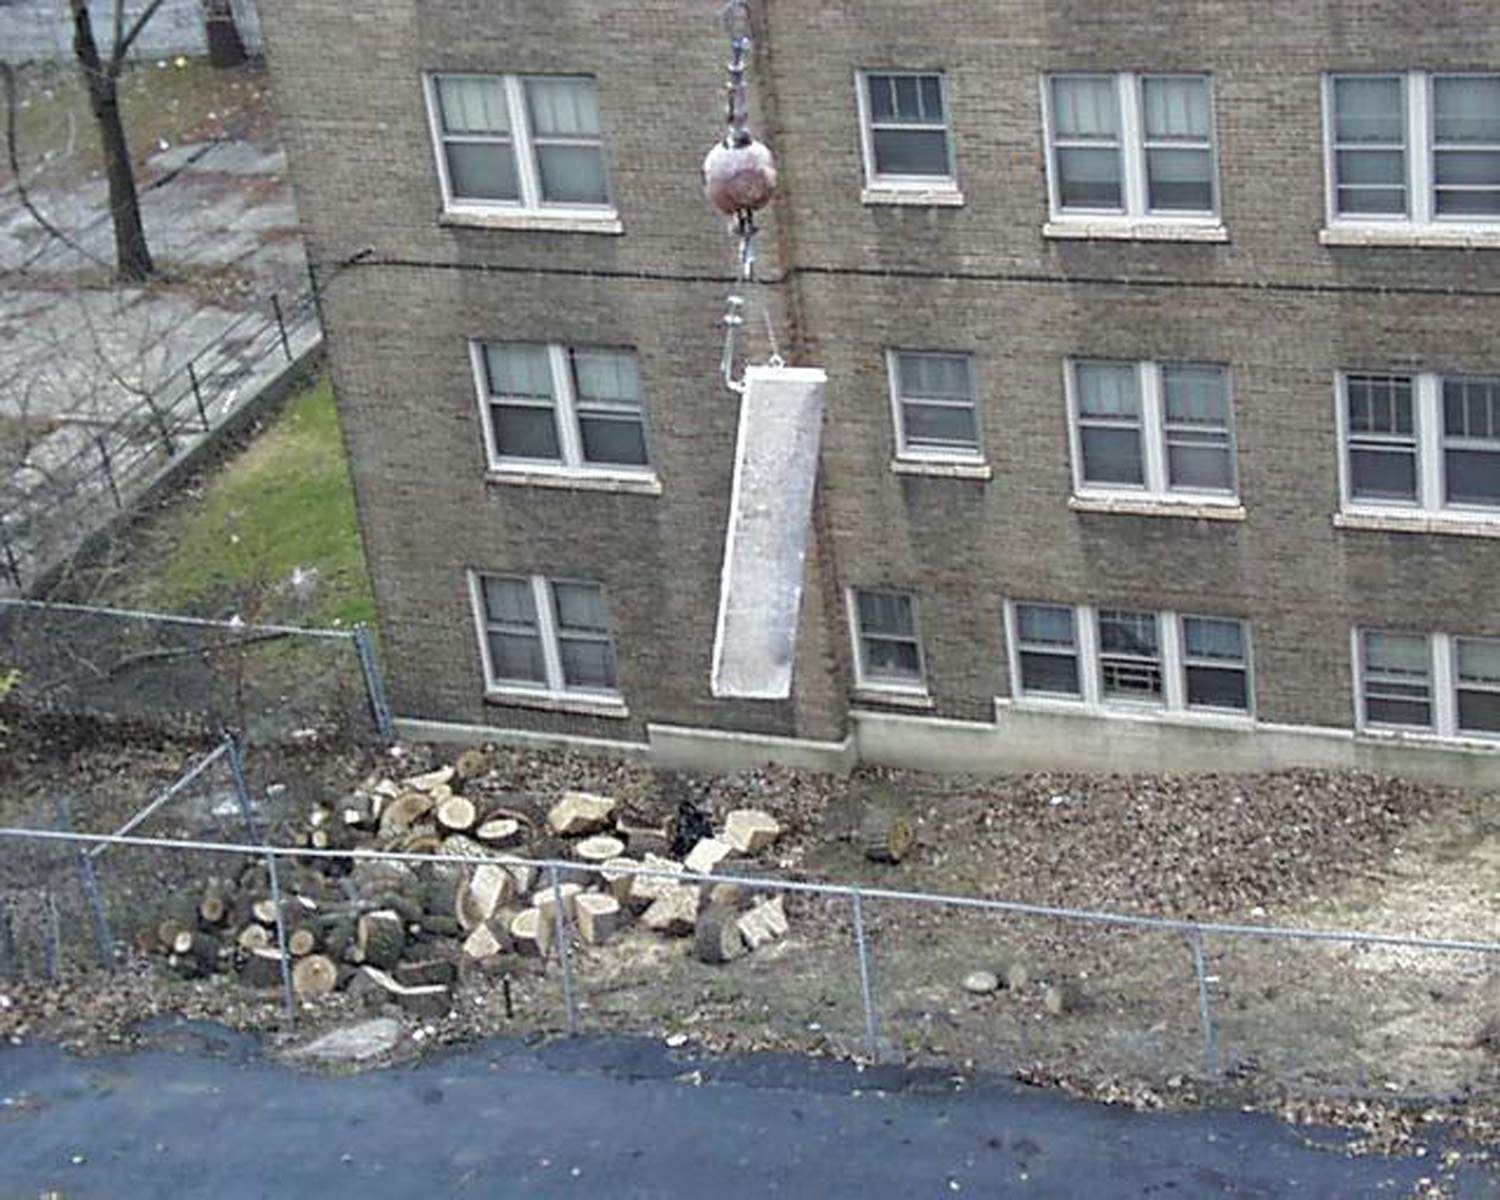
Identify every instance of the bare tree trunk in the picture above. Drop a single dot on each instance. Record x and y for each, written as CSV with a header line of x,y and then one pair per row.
x,y
132,257
225,46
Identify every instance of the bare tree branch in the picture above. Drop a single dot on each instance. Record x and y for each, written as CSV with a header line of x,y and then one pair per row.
x,y
123,44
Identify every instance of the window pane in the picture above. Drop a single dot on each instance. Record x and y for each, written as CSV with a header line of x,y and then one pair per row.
x,y
1112,456
508,601
1045,623
608,375
524,432
563,107
1084,108
1056,673
1396,654
1382,474
619,440
1380,404
1468,204
572,174
934,376
1176,108
1479,661
580,607
1180,180
885,612
482,170
1387,710
1124,632
932,97
473,104
1206,467
1106,390
1217,687
1196,395
1371,200
1479,712
1466,108
1368,110
1372,167
517,658
939,425
882,93
1206,637
519,371
892,659
911,152
1471,476
1127,680
1480,167
587,664
1088,178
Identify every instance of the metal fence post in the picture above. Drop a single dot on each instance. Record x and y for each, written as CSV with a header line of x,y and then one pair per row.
x,y
1205,1016
242,791
565,951
364,648
286,346
90,883
109,471
197,394
866,987
13,567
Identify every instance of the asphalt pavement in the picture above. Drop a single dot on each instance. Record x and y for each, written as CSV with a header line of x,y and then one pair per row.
x,y
205,1113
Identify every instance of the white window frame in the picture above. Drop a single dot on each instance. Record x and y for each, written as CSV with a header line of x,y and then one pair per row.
x,y
1443,682
524,145
876,183
907,452
1421,195
1171,655
555,688
565,408
863,681
1156,486
1428,432
1135,207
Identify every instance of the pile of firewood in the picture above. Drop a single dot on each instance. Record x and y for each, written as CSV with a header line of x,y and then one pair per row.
x,y
407,931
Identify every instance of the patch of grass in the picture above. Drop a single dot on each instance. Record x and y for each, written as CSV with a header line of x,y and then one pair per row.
x,y
271,534
55,130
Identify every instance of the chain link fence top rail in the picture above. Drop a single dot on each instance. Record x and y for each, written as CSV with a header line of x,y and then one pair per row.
x,y
877,970
274,683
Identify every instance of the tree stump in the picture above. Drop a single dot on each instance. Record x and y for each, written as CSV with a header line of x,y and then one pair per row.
x,y
886,832
598,916
499,831
314,975
456,815
716,937
379,938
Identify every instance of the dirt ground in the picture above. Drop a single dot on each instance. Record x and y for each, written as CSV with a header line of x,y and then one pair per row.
x,y
1374,1036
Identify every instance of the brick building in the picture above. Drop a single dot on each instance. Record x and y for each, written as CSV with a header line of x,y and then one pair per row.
x,y
1163,417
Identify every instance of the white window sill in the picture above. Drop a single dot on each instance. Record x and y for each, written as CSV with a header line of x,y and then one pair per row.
x,y
1432,237
641,484
1482,526
601,221
1129,229
1133,506
893,697
584,706
1425,737
931,196
942,468
1154,714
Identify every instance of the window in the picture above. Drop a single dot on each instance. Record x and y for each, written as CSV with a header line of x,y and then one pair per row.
x,y
1131,145
906,136
1154,429
550,637
888,647
934,404
1115,657
523,142
1413,147
553,405
1477,667
1437,683
1421,443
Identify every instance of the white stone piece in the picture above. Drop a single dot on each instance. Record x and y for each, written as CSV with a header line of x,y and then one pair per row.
x,y
749,830
579,813
707,855
764,923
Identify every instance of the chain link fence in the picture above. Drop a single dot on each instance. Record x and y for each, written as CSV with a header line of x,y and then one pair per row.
x,y
272,683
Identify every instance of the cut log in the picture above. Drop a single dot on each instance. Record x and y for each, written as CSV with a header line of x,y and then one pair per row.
x,y
214,908
400,814
315,975
456,815
1062,996
525,876
707,855
645,890
425,972
499,831
750,831
253,937
265,911
379,938
1013,974
431,780
597,915
423,1000
471,764
302,941
599,849
487,890
886,833
674,913
531,934
357,811
423,839
457,845
482,944
441,926
546,899
261,969
717,937
332,837
167,930
725,895
617,877
200,947
763,923
579,813
440,894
